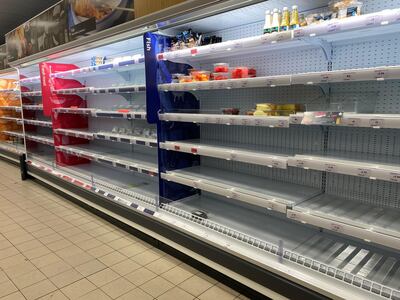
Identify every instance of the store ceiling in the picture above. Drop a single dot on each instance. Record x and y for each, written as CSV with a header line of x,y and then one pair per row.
x,y
15,12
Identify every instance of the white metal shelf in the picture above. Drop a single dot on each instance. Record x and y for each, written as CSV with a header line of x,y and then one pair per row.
x,y
358,265
380,73
14,133
12,119
360,120
12,147
122,66
14,108
135,162
264,121
259,155
374,24
274,195
40,123
9,91
30,80
106,90
371,223
140,115
32,94
109,136
32,107
351,163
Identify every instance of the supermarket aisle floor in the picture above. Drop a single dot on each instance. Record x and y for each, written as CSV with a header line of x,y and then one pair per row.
x,y
53,249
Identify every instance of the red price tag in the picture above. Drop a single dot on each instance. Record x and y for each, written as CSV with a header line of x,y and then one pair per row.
x,y
194,150
193,51
177,148
160,56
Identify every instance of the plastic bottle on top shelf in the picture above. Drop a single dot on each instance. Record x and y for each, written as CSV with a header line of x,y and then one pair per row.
x,y
268,22
294,18
285,22
275,21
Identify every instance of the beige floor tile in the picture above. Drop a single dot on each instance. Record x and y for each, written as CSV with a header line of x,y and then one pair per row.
x,y
89,226
55,268
78,289
179,274
98,231
97,295
20,239
29,245
69,251
79,238
16,265
78,259
120,243
3,277
59,244
14,296
196,285
36,252
56,295
140,276
118,287
100,251
242,297
90,267
28,279
161,265
125,267
177,293
7,252
5,244
103,277
45,260
39,289
112,258
66,278
136,294
89,244
7,288
216,292
43,232
108,237
156,286
146,257
48,239
133,250
73,231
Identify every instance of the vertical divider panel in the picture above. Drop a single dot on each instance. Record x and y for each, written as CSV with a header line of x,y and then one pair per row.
x,y
52,100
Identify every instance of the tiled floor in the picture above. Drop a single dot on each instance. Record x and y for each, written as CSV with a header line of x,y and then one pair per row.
x,y
53,249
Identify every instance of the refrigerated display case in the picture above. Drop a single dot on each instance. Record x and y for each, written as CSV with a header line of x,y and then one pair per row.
x,y
11,133
282,173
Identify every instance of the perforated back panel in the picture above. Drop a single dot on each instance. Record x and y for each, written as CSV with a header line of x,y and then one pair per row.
x,y
367,97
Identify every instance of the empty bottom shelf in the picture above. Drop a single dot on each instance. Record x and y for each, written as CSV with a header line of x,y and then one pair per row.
x,y
358,259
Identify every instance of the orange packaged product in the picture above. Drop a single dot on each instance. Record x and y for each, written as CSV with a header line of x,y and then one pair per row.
x,y
201,75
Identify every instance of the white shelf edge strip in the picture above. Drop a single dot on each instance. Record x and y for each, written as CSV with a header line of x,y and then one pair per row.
x,y
252,157
351,75
133,140
258,199
117,163
106,67
106,90
362,232
325,29
103,113
282,122
351,167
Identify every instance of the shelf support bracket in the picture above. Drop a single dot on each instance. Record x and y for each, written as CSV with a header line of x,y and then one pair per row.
x,y
325,46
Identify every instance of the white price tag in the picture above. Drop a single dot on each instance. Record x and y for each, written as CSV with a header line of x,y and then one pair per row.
x,y
333,27
244,121
376,123
372,20
242,83
233,155
352,122
276,163
282,123
238,45
293,215
394,177
363,172
257,122
271,82
300,163
218,120
381,73
325,78
336,227
348,76
329,167
299,33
